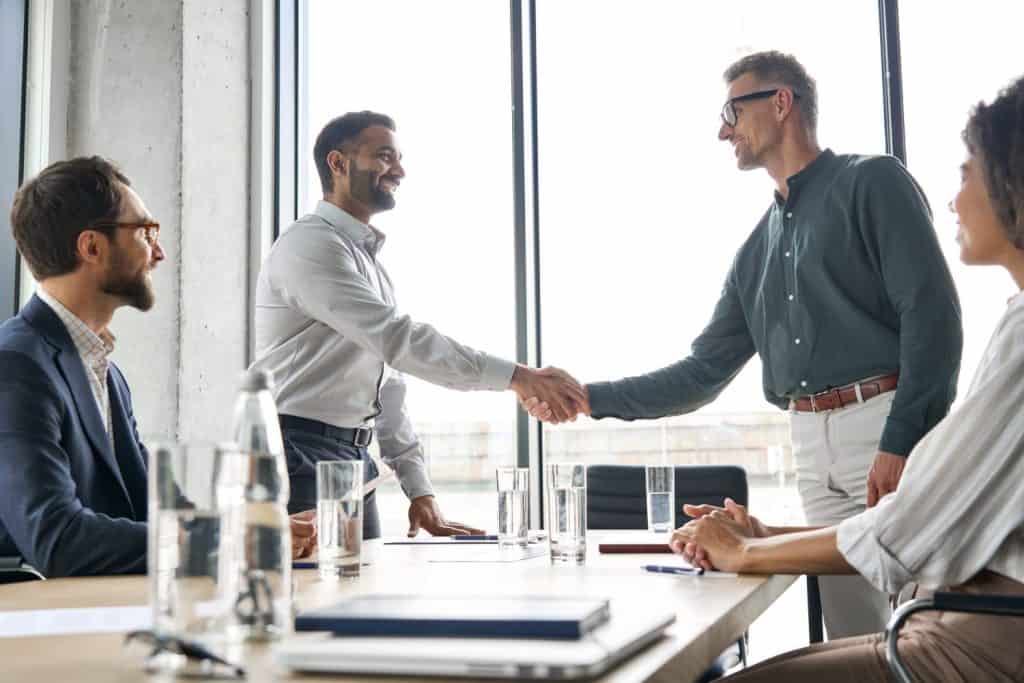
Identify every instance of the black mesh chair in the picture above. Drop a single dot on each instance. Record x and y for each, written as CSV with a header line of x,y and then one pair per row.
x,y
1000,605
617,499
14,569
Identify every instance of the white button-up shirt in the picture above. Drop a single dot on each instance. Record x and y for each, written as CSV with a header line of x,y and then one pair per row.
x,y
328,329
93,349
959,507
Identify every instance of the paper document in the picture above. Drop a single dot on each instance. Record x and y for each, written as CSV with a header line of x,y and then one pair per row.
x,y
491,554
60,622
383,474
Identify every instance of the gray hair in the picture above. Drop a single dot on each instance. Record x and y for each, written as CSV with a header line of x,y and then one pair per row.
x,y
776,67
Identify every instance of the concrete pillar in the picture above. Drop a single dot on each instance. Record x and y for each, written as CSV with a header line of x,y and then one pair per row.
x,y
162,88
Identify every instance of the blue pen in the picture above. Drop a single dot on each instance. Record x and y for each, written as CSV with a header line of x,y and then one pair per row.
x,y
304,564
475,537
662,569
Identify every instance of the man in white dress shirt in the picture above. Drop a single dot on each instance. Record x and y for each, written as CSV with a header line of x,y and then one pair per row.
x,y
330,332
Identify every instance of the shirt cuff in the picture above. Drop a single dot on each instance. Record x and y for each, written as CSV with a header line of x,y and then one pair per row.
x,y
497,373
413,477
859,545
898,438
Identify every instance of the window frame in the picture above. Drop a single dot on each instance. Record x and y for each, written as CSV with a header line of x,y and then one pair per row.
x,y
292,55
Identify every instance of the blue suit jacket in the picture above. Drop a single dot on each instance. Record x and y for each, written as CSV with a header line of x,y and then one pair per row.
x,y
71,503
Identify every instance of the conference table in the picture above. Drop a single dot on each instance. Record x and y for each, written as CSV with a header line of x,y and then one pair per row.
x,y
711,613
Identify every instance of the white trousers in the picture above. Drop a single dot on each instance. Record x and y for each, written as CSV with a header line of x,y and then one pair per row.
x,y
834,451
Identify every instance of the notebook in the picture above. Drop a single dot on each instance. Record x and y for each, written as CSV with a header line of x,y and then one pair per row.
x,y
628,631
469,616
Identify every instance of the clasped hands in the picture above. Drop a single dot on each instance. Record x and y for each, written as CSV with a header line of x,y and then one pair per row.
x,y
717,537
550,394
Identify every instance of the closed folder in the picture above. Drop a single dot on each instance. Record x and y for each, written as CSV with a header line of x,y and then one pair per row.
x,y
633,548
458,616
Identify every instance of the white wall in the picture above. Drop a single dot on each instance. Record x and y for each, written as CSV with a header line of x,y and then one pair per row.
x,y
162,88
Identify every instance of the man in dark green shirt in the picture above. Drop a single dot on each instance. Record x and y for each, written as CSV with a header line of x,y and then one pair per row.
x,y
844,292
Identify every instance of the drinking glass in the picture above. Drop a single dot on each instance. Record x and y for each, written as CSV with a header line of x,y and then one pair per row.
x,y
513,502
661,488
565,486
192,579
339,517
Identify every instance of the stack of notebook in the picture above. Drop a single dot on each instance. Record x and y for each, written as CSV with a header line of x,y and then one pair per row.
x,y
505,637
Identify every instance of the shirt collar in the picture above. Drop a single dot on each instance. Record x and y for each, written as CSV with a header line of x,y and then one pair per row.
x,y
90,345
351,227
806,174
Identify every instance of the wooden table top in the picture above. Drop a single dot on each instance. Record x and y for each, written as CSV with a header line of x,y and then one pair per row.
x,y
711,613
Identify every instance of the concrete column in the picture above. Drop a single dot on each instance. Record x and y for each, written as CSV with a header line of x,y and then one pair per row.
x,y
162,88
214,214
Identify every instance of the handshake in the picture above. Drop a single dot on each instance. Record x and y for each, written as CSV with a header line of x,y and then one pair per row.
x,y
549,394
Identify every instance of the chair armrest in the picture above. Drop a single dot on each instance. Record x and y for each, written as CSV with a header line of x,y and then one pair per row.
x,y
1001,605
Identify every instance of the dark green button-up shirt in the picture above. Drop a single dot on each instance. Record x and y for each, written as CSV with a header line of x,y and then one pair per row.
x,y
841,281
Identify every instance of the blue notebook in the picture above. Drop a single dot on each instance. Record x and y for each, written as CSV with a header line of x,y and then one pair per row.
x,y
461,616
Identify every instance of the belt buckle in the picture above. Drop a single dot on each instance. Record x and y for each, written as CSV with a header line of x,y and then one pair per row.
x,y
832,392
362,437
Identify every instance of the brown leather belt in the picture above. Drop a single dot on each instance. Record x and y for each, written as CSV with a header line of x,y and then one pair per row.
x,y
844,396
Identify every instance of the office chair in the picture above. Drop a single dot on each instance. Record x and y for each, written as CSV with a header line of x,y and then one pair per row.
x,y
617,499
999,605
13,569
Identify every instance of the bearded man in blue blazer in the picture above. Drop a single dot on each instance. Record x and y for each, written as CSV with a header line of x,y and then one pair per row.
x,y
72,466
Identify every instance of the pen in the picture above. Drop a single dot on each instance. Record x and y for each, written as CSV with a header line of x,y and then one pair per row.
x,y
475,537
304,564
662,569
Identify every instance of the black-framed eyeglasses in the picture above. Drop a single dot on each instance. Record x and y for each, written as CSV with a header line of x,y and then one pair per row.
x,y
729,114
152,230
207,663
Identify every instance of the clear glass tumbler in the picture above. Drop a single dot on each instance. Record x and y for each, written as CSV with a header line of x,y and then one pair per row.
x,y
513,505
192,578
339,517
565,487
661,490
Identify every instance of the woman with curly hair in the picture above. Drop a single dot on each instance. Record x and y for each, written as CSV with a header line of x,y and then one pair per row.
x,y
956,521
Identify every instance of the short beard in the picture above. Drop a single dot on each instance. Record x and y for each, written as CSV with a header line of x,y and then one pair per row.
x,y
364,189
132,288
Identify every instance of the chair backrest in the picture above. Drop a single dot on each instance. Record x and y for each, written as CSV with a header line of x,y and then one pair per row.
x,y
13,570
617,494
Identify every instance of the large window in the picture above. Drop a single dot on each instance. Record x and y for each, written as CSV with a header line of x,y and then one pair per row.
x,y
643,208
12,90
441,70
954,56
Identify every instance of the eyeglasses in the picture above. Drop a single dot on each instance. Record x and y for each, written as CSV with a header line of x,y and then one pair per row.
x,y
205,662
152,230
729,114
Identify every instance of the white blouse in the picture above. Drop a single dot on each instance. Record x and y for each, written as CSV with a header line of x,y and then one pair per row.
x,y
959,507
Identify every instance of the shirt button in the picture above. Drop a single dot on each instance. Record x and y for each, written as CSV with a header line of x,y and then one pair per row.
x,y
790,297
787,254
803,383
789,214
797,340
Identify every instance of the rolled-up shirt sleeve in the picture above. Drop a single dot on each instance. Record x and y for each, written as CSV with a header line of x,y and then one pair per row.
x,y
960,497
400,447
317,274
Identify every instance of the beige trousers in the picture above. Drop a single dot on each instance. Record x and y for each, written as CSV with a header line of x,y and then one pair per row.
x,y
834,451
935,646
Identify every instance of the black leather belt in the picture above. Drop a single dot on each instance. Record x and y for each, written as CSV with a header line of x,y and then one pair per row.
x,y
357,436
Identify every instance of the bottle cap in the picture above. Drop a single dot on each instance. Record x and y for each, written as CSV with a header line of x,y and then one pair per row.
x,y
257,380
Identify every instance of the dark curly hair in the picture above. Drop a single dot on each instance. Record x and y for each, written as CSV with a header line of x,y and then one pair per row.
x,y
994,135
